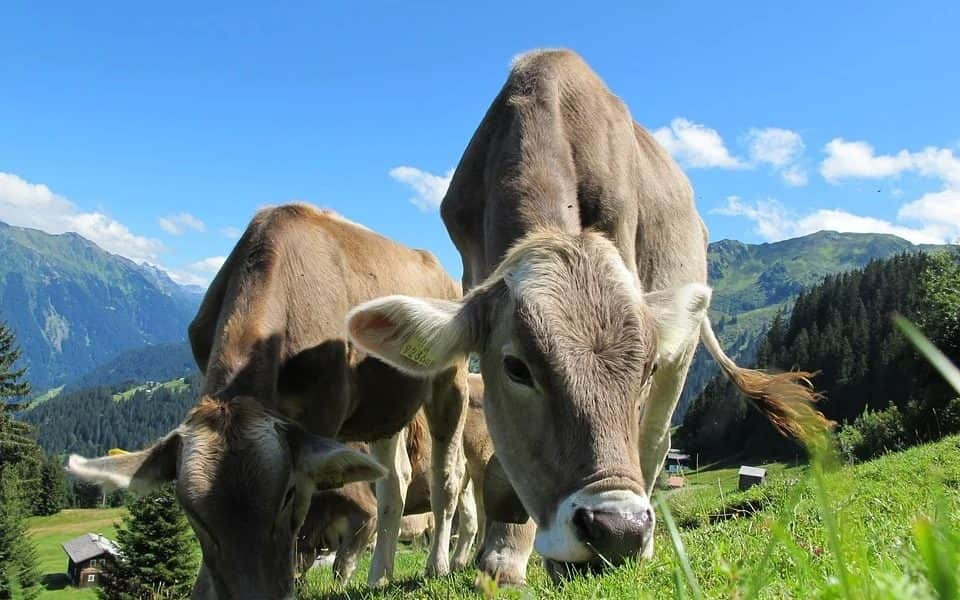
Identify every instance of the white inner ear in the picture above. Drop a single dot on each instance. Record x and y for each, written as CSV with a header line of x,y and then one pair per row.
x,y
678,313
418,334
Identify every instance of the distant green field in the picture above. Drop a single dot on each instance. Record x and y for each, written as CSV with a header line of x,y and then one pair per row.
x,y
50,532
175,385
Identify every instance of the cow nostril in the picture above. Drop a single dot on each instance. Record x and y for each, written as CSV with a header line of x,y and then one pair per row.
x,y
613,534
585,522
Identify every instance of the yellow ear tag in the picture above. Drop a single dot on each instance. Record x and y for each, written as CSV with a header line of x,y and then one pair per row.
x,y
416,350
116,452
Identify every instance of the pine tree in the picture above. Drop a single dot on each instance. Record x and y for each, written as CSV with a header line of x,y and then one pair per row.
x,y
19,569
159,555
12,383
54,491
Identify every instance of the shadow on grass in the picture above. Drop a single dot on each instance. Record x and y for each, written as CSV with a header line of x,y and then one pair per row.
x,y
55,581
401,587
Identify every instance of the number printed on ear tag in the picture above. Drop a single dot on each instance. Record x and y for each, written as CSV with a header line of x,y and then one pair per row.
x,y
416,350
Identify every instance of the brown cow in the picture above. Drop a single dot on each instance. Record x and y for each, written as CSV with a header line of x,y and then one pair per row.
x,y
585,258
270,338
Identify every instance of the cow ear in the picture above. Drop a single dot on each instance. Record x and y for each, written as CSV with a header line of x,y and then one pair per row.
x,y
330,464
677,313
419,336
500,502
139,471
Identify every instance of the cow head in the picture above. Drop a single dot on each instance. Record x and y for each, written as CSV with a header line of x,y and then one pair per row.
x,y
568,344
244,479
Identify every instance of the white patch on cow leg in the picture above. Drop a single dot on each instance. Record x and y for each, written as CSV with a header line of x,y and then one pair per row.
x,y
391,495
466,527
446,412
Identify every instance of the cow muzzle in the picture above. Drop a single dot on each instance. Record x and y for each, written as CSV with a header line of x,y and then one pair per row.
x,y
606,527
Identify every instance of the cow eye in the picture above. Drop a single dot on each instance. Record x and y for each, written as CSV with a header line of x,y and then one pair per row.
x,y
653,367
517,371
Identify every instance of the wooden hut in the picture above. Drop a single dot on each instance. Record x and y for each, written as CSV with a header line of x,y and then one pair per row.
x,y
751,476
87,555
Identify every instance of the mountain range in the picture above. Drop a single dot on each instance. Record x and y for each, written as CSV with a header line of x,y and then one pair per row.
x,y
85,317
73,306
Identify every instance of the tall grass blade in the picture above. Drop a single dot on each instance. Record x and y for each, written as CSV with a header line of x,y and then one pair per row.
x,y
939,361
677,543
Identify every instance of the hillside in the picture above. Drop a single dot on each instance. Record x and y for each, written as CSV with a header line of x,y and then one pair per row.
x,y
94,420
849,532
74,306
752,281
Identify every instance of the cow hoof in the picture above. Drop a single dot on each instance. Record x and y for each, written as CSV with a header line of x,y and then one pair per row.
x,y
436,570
459,564
505,575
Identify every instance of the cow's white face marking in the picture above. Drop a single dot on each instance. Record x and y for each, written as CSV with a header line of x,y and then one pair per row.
x,y
559,540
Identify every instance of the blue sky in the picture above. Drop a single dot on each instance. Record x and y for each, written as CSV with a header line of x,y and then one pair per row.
x,y
157,133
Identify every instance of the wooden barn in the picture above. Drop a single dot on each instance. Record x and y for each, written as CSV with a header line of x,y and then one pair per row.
x,y
751,476
87,555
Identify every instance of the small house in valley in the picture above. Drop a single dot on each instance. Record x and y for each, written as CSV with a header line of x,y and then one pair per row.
x,y
677,462
751,476
87,555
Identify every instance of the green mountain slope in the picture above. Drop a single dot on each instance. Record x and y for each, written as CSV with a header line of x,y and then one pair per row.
x,y
74,306
751,282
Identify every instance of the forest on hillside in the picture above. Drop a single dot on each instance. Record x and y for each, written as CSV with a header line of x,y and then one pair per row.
x,y
94,420
874,384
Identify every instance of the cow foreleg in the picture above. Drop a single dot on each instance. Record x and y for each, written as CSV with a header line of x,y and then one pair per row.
x,y
466,527
446,412
391,495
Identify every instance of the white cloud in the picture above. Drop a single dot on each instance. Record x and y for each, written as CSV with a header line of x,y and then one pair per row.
x,y
775,222
937,207
198,273
429,188
176,224
774,146
232,233
794,175
34,205
696,145
857,159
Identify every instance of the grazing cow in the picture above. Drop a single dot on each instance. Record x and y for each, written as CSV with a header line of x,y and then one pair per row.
x,y
270,338
585,261
345,520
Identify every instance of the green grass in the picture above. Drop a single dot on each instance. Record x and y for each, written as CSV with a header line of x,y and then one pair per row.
x,y
175,386
50,532
883,529
47,395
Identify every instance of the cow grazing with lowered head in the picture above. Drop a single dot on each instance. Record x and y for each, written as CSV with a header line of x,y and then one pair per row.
x,y
585,261
345,520
279,372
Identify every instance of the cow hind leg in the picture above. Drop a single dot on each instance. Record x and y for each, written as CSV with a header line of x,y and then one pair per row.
x,y
391,495
466,528
446,412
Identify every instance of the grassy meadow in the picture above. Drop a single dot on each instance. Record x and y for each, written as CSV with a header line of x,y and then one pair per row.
x,y
882,529
50,532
